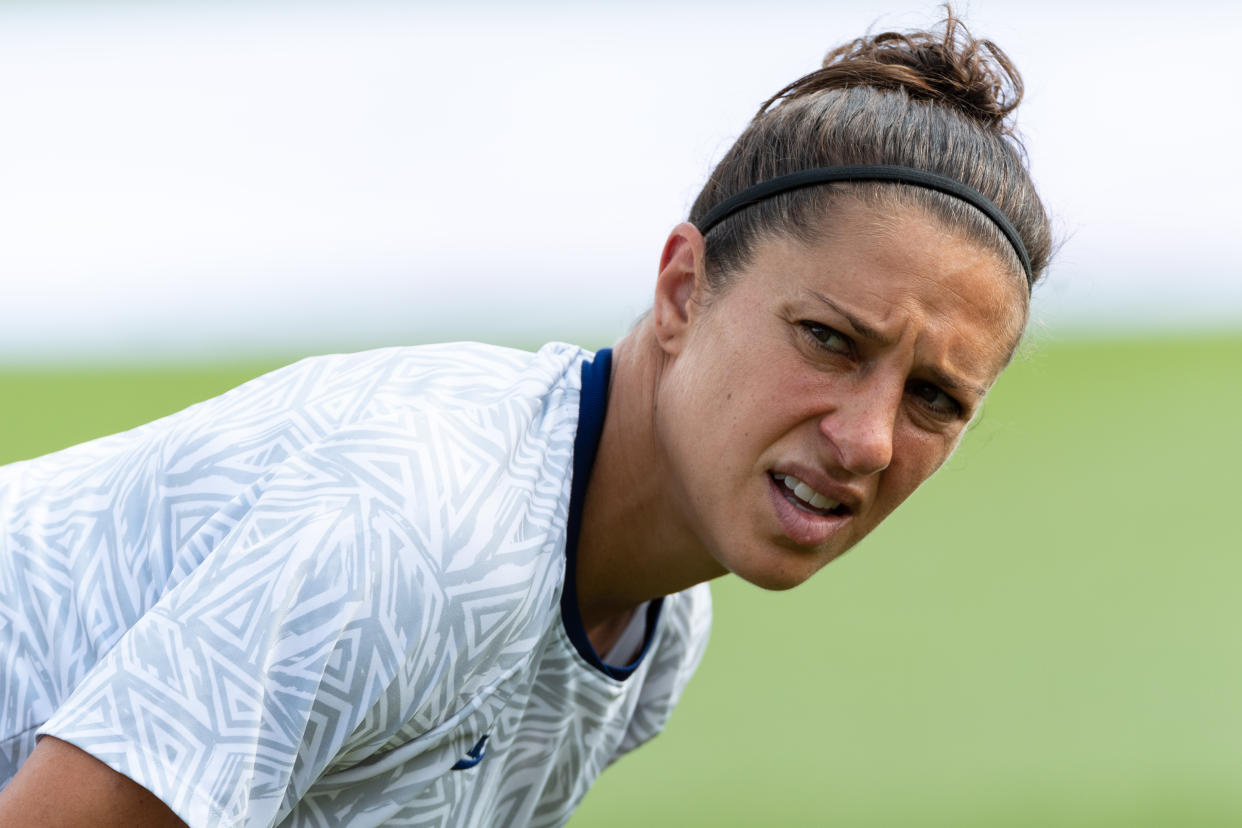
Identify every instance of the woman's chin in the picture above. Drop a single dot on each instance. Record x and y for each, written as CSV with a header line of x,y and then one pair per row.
x,y
782,568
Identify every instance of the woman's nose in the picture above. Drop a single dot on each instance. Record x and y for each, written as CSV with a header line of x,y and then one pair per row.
x,y
860,426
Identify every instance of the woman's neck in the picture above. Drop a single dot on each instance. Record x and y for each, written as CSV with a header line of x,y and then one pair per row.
x,y
634,543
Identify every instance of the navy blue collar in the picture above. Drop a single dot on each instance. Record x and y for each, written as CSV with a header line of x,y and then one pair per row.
x,y
591,409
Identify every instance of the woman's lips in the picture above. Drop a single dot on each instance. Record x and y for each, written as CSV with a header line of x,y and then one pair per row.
x,y
800,525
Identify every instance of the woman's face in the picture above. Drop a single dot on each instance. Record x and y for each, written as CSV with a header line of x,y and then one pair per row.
x,y
805,402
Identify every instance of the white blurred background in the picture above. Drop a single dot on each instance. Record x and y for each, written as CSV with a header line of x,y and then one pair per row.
x,y
214,178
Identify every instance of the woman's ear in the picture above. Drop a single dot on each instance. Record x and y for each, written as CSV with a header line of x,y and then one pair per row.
x,y
680,284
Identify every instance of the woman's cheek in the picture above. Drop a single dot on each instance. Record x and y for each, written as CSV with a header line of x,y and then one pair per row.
x,y
915,459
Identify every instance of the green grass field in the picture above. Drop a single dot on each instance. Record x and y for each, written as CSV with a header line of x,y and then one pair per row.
x,y
1046,635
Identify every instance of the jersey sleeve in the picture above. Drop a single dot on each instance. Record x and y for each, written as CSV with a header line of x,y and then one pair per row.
x,y
322,625
683,642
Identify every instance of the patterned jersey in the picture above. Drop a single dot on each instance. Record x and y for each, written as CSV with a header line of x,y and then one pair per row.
x,y
334,596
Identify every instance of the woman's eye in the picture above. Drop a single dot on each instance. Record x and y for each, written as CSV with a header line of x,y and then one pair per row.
x,y
828,338
936,399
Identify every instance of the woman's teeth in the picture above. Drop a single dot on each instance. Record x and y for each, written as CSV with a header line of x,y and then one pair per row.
x,y
805,493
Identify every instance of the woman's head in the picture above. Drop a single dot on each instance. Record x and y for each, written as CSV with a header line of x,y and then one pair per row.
x,y
822,350
931,101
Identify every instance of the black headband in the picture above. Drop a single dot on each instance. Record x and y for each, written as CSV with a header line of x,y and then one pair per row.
x,y
868,172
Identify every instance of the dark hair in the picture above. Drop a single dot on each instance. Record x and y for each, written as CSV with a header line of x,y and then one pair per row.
x,y
933,100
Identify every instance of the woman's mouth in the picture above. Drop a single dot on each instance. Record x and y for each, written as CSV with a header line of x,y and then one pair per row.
x,y
807,499
807,517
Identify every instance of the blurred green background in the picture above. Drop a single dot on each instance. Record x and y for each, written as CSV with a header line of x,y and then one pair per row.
x,y
1046,635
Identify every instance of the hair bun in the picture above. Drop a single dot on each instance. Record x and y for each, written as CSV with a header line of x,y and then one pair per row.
x,y
950,67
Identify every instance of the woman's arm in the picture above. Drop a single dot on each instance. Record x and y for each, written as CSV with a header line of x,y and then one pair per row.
x,y
61,786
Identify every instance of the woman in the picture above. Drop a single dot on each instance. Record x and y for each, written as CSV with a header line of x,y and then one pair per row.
x,y
449,585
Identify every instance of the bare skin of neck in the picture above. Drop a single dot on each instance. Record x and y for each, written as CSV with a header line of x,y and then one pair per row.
x,y
634,543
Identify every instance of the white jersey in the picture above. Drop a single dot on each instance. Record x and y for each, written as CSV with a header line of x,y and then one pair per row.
x,y
334,596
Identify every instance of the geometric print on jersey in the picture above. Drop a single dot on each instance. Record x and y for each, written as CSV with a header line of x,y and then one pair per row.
x,y
304,601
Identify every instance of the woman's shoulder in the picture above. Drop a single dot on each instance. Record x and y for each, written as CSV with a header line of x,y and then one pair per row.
x,y
465,449
264,420
450,373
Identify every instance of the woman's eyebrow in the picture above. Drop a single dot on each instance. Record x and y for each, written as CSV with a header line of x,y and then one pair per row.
x,y
860,327
951,383
943,379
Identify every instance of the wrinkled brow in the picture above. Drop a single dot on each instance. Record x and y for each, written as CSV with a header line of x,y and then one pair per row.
x,y
860,327
869,333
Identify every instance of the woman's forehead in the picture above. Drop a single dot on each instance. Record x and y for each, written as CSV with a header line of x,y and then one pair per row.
x,y
889,213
